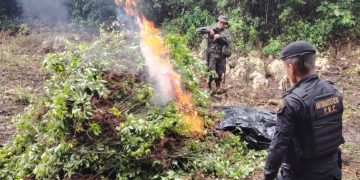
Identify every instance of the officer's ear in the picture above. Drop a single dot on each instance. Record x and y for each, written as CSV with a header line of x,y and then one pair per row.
x,y
292,68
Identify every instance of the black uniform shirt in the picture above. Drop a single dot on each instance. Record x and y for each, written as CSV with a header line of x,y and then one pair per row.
x,y
282,148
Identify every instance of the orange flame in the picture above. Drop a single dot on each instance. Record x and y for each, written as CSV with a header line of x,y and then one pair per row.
x,y
157,55
129,6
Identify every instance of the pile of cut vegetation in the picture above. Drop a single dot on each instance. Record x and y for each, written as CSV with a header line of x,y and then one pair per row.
x,y
98,121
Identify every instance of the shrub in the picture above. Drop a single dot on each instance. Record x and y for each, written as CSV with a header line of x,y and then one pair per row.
x,y
255,22
273,47
93,12
188,22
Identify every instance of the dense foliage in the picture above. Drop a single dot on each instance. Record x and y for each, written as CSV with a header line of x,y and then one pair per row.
x,y
271,24
97,120
8,12
254,23
8,8
92,13
83,13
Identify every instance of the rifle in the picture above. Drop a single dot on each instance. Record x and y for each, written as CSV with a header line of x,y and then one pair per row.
x,y
203,30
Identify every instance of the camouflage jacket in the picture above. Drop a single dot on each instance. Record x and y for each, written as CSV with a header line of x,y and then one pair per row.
x,y
216,45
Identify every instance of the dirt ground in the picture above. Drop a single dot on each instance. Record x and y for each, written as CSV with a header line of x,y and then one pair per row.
x,y
21,73
21,78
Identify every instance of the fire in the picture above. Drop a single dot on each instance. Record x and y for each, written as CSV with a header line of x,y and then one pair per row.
x,y
130,6
157,59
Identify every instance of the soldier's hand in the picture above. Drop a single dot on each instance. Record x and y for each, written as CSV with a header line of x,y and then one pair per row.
x,y
212,33
216,36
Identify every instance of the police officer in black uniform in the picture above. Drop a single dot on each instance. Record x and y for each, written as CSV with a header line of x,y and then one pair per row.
x,y
309,126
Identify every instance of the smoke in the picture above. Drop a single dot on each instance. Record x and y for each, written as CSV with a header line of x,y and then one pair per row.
x,y
125,21
160,75
49,12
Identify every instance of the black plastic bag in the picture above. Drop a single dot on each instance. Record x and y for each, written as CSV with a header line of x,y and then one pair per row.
x,y
255,126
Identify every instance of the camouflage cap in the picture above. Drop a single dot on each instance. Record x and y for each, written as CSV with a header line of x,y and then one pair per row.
x,y
223,19
297,48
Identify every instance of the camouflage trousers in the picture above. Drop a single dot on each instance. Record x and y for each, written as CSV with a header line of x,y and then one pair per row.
x,y
217,63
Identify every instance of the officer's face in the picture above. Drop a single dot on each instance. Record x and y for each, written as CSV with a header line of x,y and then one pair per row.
x,y
221,24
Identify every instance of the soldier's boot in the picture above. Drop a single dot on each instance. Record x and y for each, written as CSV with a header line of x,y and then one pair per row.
x,y
218,85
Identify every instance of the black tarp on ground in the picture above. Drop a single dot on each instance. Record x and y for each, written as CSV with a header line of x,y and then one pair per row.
x,y
255,126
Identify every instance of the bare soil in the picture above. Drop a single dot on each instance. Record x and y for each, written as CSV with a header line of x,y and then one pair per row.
x,y
20,77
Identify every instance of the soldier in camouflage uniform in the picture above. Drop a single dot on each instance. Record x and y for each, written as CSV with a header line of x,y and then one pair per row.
x,y
218,37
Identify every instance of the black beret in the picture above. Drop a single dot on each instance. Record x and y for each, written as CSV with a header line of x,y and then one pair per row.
x,y
297,48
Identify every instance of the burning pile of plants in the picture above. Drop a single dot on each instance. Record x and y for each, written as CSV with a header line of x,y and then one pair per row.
x,y
101,119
